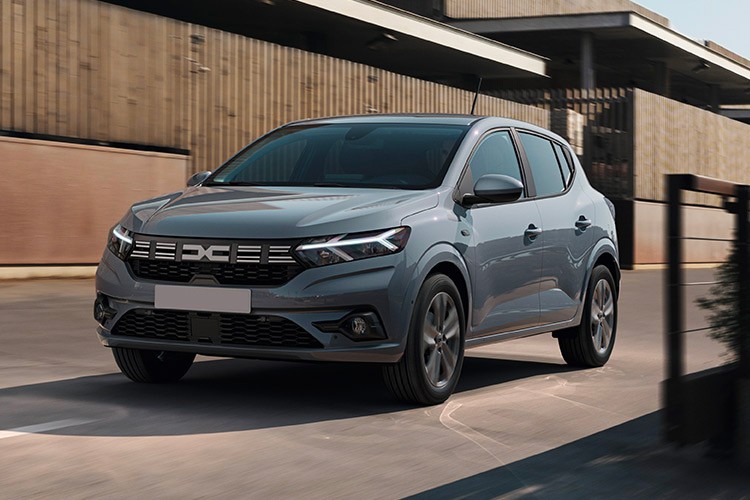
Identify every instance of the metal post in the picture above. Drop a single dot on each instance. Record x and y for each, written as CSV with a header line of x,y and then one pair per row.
x,y
674,313
743,268
742,437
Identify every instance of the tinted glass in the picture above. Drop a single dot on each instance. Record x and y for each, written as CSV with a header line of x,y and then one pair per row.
x,y
543,162
353,155
562,160
494,155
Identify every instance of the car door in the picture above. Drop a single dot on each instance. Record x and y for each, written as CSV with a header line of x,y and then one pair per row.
x,y
505,258
567,212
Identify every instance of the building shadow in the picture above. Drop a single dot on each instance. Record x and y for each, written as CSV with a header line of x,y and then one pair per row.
x,y
231,395
626,461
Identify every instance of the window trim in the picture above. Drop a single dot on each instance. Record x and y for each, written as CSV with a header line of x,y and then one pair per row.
x,y
529,188
571,164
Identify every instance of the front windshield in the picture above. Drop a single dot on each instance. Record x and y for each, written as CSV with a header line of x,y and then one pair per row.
x,y
378,155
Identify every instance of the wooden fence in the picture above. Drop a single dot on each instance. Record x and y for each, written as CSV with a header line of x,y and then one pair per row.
x,y
92,70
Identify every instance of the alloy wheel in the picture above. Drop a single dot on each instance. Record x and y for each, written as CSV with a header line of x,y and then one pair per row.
x,y
441,337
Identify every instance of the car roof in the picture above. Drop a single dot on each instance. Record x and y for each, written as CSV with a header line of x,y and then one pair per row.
x,y
428,119
408,118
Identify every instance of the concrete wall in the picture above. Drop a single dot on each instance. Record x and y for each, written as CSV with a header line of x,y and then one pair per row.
x,y
650,223
58,200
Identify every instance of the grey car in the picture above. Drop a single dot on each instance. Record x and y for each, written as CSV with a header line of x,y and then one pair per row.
x,y
392,239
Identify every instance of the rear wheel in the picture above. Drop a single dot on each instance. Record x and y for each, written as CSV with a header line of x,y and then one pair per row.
x,y
152,367
590,344
431,365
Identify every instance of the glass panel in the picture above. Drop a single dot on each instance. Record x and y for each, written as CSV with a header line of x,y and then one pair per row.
x,y
547,177
402,156
563,162
495,155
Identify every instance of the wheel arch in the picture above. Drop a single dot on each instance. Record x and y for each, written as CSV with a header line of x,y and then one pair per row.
x,y
604,252
608,260
445,259
452,271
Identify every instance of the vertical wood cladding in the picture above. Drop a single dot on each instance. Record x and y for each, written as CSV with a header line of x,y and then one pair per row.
x,y
672,137
92,70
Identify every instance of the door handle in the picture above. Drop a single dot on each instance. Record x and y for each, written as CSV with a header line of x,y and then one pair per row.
x,y
532,232
583,223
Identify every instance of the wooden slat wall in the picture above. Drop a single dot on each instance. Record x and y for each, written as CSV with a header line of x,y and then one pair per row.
x,y
672,137
477,9
92,70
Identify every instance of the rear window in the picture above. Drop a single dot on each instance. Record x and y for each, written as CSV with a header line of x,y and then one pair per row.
x,y
399,156
545,168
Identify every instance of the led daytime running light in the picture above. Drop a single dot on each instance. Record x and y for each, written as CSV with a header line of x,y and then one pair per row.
x,y
117,232
338,242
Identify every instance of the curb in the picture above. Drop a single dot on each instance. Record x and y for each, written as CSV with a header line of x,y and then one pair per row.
x,y
46,272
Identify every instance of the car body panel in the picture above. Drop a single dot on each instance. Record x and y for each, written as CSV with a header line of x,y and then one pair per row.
x,y
506,266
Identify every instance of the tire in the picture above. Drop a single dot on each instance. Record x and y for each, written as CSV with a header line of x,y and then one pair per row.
x,y
152,367
591,343
409,379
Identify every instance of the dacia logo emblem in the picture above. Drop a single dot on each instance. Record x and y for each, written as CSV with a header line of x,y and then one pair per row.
x,y
211,253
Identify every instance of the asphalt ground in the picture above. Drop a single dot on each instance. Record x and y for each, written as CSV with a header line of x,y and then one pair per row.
x,y
522,424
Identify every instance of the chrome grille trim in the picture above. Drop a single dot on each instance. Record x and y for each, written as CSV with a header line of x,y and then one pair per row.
x,y
217,251
249,254
279,255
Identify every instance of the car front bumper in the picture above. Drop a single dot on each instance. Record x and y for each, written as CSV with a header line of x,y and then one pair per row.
x,y
318,295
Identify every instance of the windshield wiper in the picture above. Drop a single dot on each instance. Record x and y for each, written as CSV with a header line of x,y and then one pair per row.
x,y
330,184
232,183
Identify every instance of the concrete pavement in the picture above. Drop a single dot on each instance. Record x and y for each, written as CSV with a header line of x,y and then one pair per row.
x,y
521,424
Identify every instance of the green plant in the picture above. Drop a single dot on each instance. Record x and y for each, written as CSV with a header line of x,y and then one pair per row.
x,y
723,304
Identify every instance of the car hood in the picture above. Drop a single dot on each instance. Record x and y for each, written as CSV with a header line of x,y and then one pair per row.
x,y
275,212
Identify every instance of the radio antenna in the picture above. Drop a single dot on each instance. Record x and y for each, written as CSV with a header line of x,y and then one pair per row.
x,y
476,96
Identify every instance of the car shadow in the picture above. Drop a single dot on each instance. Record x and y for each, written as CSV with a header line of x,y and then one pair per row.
x,y
232,395
629,460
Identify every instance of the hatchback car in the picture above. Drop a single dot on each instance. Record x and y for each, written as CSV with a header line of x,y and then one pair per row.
x,y
392,239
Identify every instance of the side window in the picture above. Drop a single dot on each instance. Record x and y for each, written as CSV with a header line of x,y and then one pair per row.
x,y
494,155
562,160
548,178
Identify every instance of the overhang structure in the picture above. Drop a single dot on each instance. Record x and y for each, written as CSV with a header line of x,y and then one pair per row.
x,y
624,49
364,31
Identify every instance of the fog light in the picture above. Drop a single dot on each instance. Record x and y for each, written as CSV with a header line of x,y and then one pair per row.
x,y
102,311
358,326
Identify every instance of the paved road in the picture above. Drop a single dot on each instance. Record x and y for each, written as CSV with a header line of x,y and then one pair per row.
x,y
522,423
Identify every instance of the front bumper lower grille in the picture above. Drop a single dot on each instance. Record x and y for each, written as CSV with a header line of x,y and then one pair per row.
x,y
215,328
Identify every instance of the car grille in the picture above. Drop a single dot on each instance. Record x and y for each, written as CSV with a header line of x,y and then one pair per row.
x,y
225,274
227,262
215,328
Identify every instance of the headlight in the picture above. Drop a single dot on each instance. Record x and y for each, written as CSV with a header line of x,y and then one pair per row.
x,y
348,247
120,242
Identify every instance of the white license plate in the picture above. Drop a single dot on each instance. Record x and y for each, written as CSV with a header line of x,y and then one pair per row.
x,y
202,298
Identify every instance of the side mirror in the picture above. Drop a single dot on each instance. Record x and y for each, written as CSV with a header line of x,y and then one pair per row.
x,y
494,188
196,179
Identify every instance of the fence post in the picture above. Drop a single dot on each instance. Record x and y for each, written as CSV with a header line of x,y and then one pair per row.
x,y
743,384
674,313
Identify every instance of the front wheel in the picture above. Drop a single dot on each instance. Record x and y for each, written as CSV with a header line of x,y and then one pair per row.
x,y
431,365
590,344
152,367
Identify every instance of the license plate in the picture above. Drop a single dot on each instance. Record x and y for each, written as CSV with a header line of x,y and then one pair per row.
x,y
202,298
